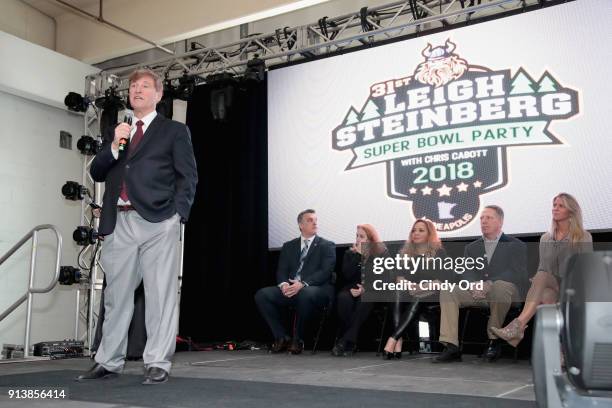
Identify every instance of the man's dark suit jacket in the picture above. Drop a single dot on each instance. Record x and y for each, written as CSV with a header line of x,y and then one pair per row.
x,y
318,265
509,262
160,174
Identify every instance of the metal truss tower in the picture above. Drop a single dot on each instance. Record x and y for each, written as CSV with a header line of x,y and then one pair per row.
x,y
88,294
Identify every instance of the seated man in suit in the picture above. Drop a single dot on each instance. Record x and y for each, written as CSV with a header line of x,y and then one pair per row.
x,y
504,273
304,280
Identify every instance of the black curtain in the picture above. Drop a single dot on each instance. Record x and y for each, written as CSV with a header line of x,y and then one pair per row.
x,y
226,246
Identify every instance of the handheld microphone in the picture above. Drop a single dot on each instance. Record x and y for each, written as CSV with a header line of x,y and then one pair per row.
x,y
129,115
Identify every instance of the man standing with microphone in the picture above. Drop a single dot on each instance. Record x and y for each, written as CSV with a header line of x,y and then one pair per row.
x,y
149,190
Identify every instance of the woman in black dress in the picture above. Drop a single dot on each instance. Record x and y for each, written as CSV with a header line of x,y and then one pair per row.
x,y
352,312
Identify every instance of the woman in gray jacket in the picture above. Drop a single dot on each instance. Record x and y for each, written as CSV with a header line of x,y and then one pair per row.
x,y
566,238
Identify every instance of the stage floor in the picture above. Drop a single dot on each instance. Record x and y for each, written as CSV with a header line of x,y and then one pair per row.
x,y
259,379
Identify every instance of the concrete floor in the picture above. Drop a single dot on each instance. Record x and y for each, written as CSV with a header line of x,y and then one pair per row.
x,y
503,379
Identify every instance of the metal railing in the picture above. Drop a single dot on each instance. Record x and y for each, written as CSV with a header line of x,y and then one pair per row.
x,y
31,289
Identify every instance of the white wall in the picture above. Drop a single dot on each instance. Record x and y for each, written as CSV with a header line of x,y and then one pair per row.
x,y
37,73
33,169
24,21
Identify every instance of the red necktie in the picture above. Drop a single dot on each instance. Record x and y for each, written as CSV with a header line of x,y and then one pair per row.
x,y
131,148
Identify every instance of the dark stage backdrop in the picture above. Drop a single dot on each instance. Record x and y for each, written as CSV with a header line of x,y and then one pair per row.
x,y
226,237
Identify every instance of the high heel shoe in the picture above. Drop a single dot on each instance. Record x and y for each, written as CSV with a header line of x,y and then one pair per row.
x,y
398,345
513,333
392,355
389,355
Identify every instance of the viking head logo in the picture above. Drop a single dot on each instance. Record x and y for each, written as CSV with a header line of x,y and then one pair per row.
x,y
440,66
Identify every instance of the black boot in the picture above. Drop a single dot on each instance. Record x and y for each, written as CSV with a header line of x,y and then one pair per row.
x,y
450,353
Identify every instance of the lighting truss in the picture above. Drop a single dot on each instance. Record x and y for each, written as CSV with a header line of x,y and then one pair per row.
x,y
365,27
88,295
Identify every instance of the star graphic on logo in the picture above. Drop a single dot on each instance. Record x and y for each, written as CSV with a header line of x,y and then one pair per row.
x,y
477,184
426,190
462,187
444,190
413,190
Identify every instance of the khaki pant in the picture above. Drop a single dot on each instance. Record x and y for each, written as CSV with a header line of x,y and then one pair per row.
x,y
499,299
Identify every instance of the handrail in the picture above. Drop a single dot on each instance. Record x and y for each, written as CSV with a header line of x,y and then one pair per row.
x,y
31,289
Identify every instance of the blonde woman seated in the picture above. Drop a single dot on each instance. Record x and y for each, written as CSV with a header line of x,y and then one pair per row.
x,y
423,241
566,238
352,312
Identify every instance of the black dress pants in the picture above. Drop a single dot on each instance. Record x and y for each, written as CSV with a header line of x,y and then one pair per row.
x,y
352,313
308,301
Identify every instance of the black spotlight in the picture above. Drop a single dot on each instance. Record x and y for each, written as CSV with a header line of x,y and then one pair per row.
x,y
111,103
76,102
185,87
110,100
222,95
165,106
83,235
255,70
74,191
88,146
69,275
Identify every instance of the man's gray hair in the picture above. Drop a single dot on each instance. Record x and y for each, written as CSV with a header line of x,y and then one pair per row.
x,y
498,210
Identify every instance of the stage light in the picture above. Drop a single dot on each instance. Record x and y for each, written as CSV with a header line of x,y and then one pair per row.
x,y
76,102
255,70
110,100
84,235
74,191
185,87
88,146
222,95
69,275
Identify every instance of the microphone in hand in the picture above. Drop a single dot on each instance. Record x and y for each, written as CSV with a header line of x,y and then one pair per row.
x,y
123,143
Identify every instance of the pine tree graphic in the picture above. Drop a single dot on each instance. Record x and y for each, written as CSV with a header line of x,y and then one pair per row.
x,y
352,117
522,83
547,84
370,111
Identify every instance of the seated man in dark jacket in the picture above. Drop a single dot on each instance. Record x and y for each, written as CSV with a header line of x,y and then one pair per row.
x,y
304,280
503,275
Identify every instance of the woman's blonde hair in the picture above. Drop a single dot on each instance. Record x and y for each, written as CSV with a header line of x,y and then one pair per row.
x,y
433,241
576,230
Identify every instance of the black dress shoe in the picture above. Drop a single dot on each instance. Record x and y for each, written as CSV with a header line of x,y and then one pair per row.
x,y
338,350
95,373
343,350
296,347
493,351
279,345
450,353
155,375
